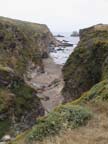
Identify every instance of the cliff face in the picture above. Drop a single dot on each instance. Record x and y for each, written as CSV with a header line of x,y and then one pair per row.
x,y
22,46
22,43
88,64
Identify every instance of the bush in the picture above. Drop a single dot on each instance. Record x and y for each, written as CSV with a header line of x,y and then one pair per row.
x,y
46,126
66,116
75,115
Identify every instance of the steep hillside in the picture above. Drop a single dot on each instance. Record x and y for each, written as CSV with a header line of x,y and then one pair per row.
x,y
22,47
88,64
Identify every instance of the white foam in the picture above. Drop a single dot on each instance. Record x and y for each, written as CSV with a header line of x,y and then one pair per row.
x,y
61,56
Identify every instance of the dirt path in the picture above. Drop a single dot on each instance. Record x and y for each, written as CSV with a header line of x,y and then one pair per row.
x,y
49,84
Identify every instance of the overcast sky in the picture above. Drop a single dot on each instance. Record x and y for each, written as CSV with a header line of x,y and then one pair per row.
x,y
59,15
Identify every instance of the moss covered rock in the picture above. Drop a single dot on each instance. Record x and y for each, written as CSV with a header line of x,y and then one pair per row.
x,y
88,64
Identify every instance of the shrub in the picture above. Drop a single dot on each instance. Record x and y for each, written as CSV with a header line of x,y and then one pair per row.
x,y
66,116
75,115
49,125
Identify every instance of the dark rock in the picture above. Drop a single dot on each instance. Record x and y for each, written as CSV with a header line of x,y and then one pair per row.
x,y
2,35
65,45
65,41
59,35
45,55
59,49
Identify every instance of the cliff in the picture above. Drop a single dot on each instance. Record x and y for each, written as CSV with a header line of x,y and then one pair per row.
x,y
23,45
88,64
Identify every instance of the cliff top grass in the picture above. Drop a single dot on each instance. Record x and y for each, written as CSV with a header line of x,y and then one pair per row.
x,y
24,25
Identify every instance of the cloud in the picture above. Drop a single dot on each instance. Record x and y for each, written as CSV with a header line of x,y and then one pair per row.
x,y
59,15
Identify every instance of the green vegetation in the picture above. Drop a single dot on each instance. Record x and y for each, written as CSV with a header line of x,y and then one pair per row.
x,y
98,93
4,126
66,116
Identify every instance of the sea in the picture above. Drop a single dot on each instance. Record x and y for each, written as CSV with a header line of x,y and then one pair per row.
x,y
61,54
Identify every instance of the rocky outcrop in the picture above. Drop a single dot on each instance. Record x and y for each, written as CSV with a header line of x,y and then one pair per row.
x,y
88,64
22,47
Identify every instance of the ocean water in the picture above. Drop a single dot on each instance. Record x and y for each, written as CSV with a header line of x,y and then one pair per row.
x,y
61,54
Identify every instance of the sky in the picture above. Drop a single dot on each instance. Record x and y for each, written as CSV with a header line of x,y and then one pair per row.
x,y
59,15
